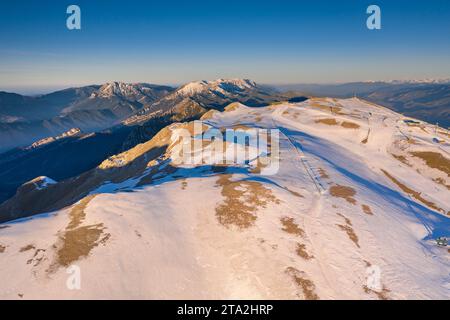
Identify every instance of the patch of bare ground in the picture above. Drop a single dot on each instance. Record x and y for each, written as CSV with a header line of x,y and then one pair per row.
x,y
184,184
414,194
77,214
258,119
208,115
350,232
38,257
401,158
366,209
77,241
347,220
328,121
276,103
257,169
2,248
344,192
291,227
334,109
241,127
442,182
348,229
323,173
307,286
242,200
447,134
27,248
366,139
434,160
350,125
301,252
382,294
232,107
333,122
294,193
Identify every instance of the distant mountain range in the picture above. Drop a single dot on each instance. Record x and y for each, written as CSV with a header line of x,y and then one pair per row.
x,y
138,112
24,120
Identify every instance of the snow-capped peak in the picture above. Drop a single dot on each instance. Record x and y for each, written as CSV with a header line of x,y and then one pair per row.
x,y
117,88
229,85
42,182
193,87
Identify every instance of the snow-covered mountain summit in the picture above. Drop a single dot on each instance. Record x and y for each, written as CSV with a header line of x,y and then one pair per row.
x,y
221,85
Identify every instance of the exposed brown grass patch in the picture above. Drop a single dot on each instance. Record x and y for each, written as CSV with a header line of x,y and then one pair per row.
x,y
334,109
242,200
77,214
401,158
232,107
347,220
241,127
344,192
413,193
257,169
27,248
327,121
350,125
382,295
351,233
434,160
307,286
77,241
323,173
442,182
208,115
447,134
184,184
333,122
348,229
301,252
291,227
2,248
366,209
38,257
294,193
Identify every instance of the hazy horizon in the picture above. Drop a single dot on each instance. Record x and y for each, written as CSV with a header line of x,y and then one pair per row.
x,y
288,42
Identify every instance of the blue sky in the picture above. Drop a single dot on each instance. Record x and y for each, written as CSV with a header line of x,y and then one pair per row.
x,y
173,42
